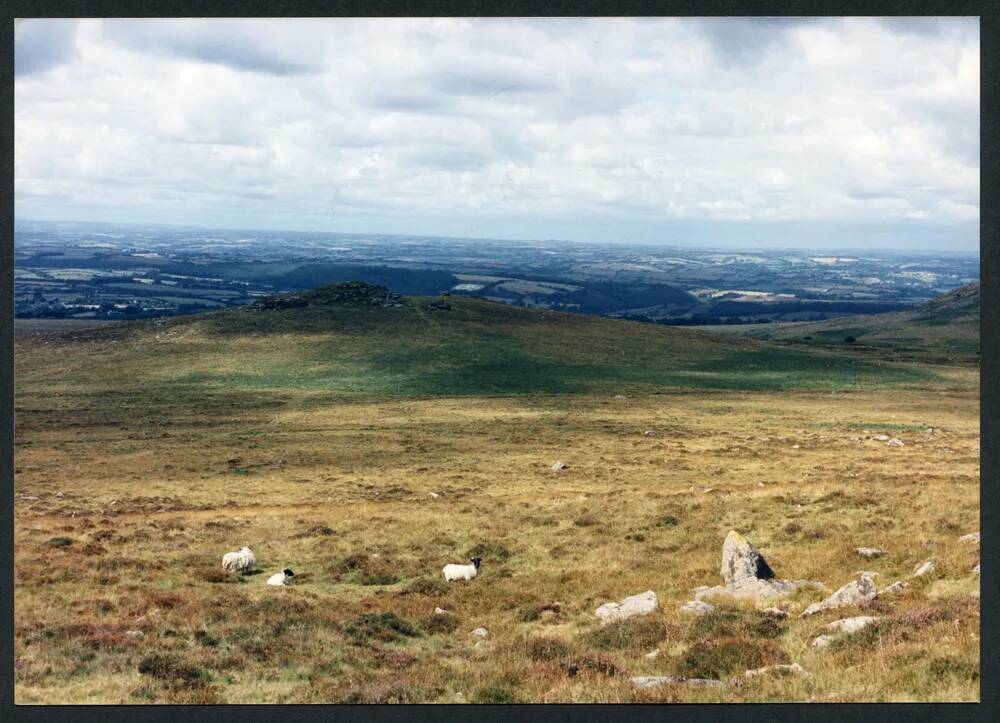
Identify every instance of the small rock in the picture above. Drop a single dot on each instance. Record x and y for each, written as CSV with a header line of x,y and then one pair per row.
x,y
619,396
641,604
780,669
440,611
775,612
894,443
480,633
652,655
559,466
652,681
881,437
854,592
896,587
134,634
851,625
822,641
924,568
795,446
59,494
697,607
869,551
971,539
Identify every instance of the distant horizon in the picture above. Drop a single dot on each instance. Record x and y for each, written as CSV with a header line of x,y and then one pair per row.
x,y
721,247
822,133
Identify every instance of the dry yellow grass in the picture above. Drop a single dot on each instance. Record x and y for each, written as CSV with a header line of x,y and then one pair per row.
x,y
340,492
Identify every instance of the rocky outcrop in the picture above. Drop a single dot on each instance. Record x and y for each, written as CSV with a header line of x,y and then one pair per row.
x,y
924,568
741,561
854,592
641,604
746,574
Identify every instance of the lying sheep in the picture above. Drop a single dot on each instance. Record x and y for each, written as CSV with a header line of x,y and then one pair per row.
x,y
242,561
462,572
281,578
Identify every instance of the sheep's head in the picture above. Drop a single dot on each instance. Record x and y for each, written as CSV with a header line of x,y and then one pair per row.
x,y
475,561
288,572
245,549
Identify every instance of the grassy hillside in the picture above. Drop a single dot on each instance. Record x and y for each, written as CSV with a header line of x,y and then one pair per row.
x,y
945,329
475,348
367,446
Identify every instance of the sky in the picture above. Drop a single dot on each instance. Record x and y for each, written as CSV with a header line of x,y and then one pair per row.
x,y
825,133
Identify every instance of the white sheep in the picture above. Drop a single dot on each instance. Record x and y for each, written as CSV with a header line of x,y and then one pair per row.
x,y
281,578
462,572
242,561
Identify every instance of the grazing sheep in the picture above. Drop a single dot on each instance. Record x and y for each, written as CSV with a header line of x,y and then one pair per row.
x,y
242,561
462,572
281,578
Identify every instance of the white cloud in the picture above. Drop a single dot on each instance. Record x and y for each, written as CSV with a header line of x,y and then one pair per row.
x,y
504,125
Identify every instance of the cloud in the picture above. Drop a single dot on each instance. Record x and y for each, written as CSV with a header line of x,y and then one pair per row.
x,y
41,45
235,43
576,128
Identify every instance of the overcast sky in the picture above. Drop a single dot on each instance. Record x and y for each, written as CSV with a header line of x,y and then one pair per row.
x,y
825,133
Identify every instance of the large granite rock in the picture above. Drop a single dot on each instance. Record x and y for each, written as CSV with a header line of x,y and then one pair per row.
x,y
741,561
746,574
641,604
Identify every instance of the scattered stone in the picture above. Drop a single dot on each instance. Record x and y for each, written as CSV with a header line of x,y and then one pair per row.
x,y
854,592
924,568
822,641
641,604
971,539
896,587
780,669
776,612
851,625
480,633
697,607
894,443
869,551
559,466
652,681
652,655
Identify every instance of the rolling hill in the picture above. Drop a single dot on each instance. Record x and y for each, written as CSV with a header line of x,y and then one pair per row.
x,y
943,330
364,350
